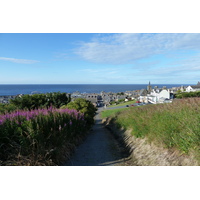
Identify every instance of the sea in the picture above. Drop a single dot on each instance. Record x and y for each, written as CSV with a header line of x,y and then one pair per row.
x,y
14,89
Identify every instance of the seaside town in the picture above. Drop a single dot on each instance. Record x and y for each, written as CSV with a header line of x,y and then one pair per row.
x,y
149,95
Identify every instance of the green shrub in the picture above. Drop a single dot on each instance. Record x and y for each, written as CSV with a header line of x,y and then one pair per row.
x,y
7,108
181,95
37,101
84,106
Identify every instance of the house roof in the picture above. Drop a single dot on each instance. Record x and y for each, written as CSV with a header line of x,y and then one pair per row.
x,y
143,92
195,86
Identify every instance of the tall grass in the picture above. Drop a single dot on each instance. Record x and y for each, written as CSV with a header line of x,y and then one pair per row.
x,y
175,125
109,113
42,134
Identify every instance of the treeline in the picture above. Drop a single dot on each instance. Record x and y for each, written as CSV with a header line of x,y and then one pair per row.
x,y
36,101
181,95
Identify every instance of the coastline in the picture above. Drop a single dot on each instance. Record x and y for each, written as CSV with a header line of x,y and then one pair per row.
x,y
15,89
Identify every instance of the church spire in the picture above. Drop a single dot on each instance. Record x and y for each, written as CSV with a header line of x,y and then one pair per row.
x,y
149,87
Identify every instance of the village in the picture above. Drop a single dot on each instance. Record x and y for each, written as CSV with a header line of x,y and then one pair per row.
x,y
149,95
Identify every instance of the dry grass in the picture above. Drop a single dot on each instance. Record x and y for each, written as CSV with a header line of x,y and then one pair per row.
x,y
175,127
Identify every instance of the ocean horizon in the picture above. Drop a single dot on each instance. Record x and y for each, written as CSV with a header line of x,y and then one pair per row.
x,y
15,89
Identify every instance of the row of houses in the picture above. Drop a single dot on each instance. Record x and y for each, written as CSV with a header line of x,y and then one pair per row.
x,y
164,95
102,99
155,95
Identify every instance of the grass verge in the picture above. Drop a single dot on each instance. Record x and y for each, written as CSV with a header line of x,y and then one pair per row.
x,y
123,104
110,113
173,126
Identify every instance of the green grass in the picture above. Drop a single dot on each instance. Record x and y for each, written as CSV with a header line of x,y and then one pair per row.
x,y
109,113
123,104
175,125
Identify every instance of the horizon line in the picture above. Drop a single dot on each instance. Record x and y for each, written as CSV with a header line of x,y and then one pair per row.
x,y
94,83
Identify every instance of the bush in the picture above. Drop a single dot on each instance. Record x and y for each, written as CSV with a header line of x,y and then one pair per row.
x,y
181,95
120,93
37,101
121,101
84,106
7,108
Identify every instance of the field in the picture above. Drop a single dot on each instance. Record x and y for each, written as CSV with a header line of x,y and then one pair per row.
x,y
173,126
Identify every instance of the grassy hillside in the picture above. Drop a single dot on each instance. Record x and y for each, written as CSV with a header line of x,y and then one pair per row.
x,y
174,126
109,113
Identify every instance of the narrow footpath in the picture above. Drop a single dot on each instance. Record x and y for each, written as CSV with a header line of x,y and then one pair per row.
x,y
99,149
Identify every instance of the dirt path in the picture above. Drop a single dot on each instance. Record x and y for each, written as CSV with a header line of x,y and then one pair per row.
x,y
99,149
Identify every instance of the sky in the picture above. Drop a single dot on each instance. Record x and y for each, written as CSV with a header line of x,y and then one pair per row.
x,y
99,58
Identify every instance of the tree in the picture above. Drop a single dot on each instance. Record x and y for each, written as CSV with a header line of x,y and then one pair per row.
x,y
120,93
36,101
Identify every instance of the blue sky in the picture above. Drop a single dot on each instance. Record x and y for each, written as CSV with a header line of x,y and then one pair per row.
x,y
83,58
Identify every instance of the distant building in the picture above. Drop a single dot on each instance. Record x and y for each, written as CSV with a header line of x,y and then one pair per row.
x,y
193,88
149,88
76,95
143,95
160,96
93,98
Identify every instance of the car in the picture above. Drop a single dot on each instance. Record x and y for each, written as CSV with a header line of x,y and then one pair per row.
x,y
127,105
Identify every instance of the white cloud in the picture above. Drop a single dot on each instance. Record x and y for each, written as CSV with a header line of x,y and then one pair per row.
x,y
126,48
182,69
22,61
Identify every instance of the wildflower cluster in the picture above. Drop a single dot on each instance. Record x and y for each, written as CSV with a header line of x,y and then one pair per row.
x,y
20,115
44,132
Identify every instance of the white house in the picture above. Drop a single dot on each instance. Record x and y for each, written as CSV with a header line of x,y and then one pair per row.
x,y
143,96
193,88
159,96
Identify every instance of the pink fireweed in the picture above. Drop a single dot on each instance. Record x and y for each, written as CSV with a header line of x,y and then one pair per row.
x,y
28,115
43,132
